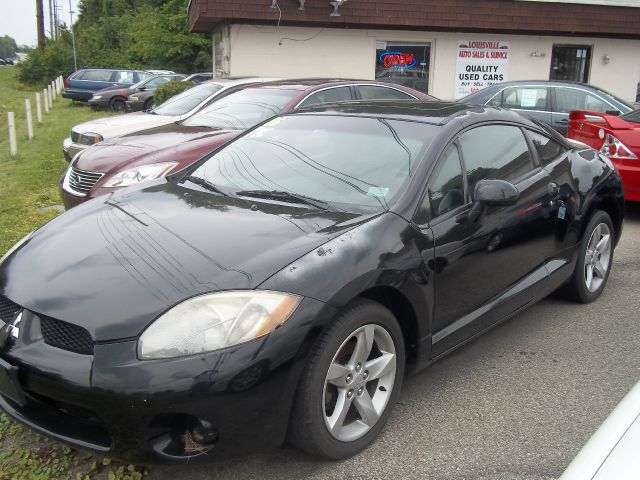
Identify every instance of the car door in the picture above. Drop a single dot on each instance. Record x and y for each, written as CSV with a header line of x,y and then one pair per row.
x,y
488,267
573,98
341,93
530,100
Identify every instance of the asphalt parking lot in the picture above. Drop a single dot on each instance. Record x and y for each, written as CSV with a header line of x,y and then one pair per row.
x,y
517,403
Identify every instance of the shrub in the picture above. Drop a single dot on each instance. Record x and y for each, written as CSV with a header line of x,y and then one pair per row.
x,y
168,90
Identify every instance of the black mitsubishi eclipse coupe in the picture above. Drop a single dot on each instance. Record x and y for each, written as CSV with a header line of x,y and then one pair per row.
x,y
283,285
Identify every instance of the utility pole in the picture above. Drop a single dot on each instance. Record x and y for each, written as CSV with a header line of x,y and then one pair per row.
x,y
40,24
51,24
73,39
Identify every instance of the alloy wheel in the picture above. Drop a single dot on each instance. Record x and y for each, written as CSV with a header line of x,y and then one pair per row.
x,y
359,382
597,257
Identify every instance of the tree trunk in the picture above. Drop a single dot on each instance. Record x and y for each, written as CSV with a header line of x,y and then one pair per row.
x,y
40,24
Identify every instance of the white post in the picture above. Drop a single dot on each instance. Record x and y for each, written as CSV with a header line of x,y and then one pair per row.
x,y
61,83
50,93
13,147
38,108
54,90
45,95
27,108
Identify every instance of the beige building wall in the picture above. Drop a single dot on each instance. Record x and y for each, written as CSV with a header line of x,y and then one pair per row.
x,y
291,52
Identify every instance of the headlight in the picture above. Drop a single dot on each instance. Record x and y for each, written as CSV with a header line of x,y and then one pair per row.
x,y
16,246
140,174
133,99
90,138
96,97
213,321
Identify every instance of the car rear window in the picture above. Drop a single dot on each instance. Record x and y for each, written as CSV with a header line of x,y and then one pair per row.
x,y
95,75
188,100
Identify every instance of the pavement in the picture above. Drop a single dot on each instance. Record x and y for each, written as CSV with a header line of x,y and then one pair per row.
x,y
518,403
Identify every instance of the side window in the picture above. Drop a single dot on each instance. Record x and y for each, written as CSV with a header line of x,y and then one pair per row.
x,y
97,75
495,151
337,94
496,101
446,188
377,92
156,82
568,99
526,98
548,150
124,77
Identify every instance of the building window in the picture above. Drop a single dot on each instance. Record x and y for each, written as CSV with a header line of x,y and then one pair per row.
x,y
404,63
570,62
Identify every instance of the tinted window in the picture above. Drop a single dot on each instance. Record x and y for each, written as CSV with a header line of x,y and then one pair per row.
x,y
186,101
526,98
243,109
548,150
632,116
568,99
495,151
156,82
337,94
361,162
96,75
446,189
376,92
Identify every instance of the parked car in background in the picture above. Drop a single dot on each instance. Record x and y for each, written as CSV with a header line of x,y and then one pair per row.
x,y
152,153
282,285
612,452
81,84
615,137
549,101
173,110
197,78
115,98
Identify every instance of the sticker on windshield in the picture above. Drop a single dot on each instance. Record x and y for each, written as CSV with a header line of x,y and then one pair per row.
x,y
378,191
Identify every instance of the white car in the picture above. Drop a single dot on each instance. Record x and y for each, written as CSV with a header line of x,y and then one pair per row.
x,y
173,110
613,453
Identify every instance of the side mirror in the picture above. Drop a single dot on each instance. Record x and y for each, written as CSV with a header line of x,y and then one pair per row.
x,y
142,89
492,192
613,112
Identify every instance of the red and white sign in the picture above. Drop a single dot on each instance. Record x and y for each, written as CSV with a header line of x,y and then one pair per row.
x,y
479,64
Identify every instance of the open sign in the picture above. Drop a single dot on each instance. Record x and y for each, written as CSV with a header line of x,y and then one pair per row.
x,y
398,60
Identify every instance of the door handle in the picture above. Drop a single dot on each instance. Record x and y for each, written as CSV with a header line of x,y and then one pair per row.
x,y
563,121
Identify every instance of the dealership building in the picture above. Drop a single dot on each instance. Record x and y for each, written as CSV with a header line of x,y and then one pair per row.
x,y
447,48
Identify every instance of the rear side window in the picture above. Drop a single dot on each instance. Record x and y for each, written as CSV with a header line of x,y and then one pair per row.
x,y
568,99
495,152
96,75
525,98
337,94
548,150
377,92
124,77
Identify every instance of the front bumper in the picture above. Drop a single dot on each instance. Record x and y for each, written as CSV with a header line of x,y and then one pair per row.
x,y
630,173
134,106
140,411
99,103
71,149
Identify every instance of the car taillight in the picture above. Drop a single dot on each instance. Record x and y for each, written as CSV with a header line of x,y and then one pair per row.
x,y
612,147
66,83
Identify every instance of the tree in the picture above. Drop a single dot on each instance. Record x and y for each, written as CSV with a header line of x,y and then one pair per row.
x,y
8,47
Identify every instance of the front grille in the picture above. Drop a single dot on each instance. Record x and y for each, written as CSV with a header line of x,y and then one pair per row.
x,y
66,336
8,309
82,181
74,136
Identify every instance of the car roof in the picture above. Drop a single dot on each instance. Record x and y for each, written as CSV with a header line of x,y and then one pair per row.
x,y
232,82
559,83
431,112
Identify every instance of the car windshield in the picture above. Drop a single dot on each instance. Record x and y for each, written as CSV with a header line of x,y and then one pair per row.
x,y
243,109
610,96
347,162
632,116
187,100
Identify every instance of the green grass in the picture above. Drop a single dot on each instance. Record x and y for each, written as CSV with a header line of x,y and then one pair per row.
x,y
29,183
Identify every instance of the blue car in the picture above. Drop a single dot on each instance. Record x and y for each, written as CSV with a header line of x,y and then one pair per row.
x,y
548,101
81,84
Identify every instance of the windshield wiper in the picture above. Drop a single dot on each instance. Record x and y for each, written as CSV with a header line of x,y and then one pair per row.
x,y
284,197
206,184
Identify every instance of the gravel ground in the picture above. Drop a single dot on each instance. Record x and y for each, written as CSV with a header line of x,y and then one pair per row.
x,y
517,403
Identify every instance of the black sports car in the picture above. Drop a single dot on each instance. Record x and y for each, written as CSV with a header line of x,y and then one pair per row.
x,y
115,98
284,284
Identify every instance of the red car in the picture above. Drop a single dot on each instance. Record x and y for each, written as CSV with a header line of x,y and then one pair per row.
x,y
148,154
616,137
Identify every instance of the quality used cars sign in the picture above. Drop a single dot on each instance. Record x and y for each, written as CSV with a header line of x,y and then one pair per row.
x,y
479,64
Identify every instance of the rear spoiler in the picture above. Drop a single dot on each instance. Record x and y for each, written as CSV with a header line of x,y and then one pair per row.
x,y
609,120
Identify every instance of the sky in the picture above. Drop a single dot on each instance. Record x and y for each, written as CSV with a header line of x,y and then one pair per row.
x,y
18,18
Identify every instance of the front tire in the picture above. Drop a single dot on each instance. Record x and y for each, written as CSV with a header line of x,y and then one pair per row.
x,y
117,105
594,260
351,382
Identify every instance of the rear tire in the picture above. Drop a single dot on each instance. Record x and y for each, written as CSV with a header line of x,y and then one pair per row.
x,y
117,105
351,381
594,260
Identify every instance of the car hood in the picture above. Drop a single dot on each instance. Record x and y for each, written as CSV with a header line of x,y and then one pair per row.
x,y
110,127
165,143
114,264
